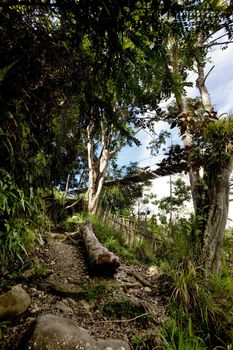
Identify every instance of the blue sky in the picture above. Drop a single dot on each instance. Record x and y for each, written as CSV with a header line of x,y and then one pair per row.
x,y
220,86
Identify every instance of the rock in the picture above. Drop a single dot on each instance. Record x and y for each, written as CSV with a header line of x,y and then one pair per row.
x,y
64,308
85,305
147,290
29,273
3,271
14,303
65,289
33,290
56,333
34,308
41,294
37,270
152,270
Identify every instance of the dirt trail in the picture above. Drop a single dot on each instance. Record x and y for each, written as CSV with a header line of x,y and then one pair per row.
x,y
127,306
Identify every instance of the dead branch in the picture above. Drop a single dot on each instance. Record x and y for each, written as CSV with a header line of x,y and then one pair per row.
x,y
140,279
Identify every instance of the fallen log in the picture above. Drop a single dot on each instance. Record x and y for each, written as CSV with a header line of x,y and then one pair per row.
x,y
101,261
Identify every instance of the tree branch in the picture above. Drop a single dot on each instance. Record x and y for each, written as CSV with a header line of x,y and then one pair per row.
x,y
208,74
217,44
214,40
126,320
73,204
67,185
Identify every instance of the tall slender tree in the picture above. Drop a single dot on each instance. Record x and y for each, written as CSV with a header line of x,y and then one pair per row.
x,y
200,21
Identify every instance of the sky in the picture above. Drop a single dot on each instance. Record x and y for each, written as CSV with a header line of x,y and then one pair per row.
x,y
220,86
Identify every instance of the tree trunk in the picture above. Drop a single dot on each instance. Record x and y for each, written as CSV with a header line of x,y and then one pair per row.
x,y
96,179
187,139
203,89
218,197
217,219
97,169
102,262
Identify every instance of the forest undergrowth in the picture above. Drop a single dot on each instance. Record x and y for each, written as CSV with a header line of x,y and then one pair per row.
x,y
199,303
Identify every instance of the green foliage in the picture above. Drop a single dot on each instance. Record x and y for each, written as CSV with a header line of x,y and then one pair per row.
x,y
3,327
227,251
124,309
112,198
218,140
68,225
137,342
121,198
143,252
147,341
139,253
158,141
19,240
21,219
174,242
111,239
96,291
201,304
176,338
34,269
65,67
179,197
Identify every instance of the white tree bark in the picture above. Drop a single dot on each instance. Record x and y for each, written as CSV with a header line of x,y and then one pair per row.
x,y
205,96
97,168
187,139
101,260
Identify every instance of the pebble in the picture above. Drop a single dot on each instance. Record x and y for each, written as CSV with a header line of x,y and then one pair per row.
x,y
152,271
35,308
41,294
85,304
33,290
147,290
64,308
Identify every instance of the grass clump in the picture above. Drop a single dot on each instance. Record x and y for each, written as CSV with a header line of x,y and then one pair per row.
x,y
147,341
70,224
96,291
201,306
34,269
122,308
126,309
176,338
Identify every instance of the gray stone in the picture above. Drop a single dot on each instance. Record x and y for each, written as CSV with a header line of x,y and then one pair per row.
x,y
55,333
26,275
65,288
64,308
85,305
14,303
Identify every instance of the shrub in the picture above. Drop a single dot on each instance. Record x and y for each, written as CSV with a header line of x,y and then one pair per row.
x,y
21,219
